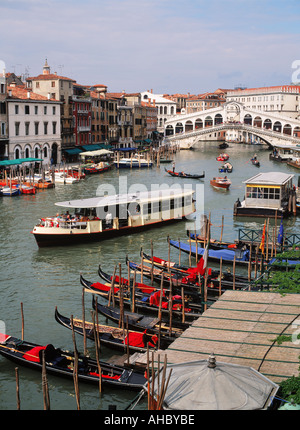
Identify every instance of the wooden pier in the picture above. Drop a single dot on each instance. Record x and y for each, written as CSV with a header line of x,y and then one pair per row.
x,y
242,328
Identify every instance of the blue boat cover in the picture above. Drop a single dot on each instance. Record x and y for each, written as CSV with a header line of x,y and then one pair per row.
x,y
226,254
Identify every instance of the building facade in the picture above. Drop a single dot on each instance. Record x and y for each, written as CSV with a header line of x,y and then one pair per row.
x,y
3,119
166,107
34,128
283,99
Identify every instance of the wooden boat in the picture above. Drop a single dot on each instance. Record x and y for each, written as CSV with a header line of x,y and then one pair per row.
x,y
61,363
255,162
95,168
148,303
165,160
223,157
101,218
27,189
10,191
140,322
227,168
114,337
241,256
185,175
219,182
268,194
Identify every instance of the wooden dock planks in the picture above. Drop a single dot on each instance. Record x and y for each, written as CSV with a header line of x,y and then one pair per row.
x,y
241,328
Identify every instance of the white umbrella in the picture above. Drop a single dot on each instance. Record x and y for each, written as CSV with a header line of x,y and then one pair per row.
x,y
207,385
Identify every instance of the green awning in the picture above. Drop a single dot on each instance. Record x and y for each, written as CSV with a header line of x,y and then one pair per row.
x,y
91,147
19,161
73,151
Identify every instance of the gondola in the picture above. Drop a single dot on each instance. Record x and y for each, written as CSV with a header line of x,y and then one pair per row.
x,y
61,363
223,145
140,322
147,303
240,256
255,162
185,175
114,337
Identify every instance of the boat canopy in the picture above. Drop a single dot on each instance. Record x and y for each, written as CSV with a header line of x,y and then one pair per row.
x,y
269,178
119,199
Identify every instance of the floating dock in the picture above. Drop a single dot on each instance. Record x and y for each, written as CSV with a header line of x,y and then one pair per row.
x,y
242,328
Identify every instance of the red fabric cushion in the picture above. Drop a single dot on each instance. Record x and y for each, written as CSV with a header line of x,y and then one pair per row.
x,y
33,354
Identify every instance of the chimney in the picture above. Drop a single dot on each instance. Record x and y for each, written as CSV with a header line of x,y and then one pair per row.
x,y
9,93
28,94
49,96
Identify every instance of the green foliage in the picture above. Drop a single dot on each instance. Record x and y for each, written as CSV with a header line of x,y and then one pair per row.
x,y
290,389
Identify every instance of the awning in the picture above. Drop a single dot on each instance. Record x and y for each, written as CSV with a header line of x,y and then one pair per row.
x,y
19,161
95,153
92,147
72,151
125,149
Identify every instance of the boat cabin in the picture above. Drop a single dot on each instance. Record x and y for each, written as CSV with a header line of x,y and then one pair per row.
x,y
108,216
266,194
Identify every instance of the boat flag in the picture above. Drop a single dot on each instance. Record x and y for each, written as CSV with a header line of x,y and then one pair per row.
x,y
262,243
280,234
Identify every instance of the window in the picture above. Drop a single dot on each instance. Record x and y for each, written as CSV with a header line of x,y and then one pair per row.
x,y
17,128
53,84
37,85
26,128
54,127
36,128
45,127
16,109
27,110
45,110
36,110
45,152
53,110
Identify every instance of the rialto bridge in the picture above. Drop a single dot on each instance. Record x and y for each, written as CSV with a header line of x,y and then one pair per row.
x,y
231,122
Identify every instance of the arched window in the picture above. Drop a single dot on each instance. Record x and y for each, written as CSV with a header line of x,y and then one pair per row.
x,y
27,153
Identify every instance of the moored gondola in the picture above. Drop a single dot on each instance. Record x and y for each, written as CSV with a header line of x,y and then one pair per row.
x,y
140,322
114,337
61,363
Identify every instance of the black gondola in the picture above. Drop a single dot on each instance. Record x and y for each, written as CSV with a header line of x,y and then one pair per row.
x,y
185,175
140,322
114,337
61,363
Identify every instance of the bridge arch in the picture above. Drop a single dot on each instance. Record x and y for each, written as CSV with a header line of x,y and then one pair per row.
x,y
178,128
257,121
218,119
188,126
296,132
208,121
169,130
277,126
287,129
248,119
268,124
198,123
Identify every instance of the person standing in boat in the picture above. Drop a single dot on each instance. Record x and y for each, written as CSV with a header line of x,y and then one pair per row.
x,y
173,166
108,220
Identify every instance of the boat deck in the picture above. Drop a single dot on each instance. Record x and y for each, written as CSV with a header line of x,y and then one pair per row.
x,y
241,328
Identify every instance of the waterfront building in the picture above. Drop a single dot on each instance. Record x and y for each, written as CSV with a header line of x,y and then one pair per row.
x,y
166,107
205,101
3,118
100,122
59,88
283,99
34,128
82,116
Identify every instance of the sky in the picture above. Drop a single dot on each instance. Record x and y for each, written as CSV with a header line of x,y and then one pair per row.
x,y
167,46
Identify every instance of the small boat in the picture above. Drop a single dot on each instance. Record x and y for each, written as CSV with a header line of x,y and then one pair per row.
x,y
223,145
226,168
165,160
100,167
241,256
27,189
223,157
10,191
220,182
185,175
114,337
128,163
255,162
140,322
61,363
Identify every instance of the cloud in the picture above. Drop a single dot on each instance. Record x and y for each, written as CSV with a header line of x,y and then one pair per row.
x,y
170,46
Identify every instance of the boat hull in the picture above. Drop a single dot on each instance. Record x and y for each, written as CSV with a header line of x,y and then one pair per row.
x,y
72,238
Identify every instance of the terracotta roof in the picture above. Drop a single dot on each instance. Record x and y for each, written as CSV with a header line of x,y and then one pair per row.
x,y
48,77
20,92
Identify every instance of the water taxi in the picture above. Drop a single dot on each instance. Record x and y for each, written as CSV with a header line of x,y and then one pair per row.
x,y
105,217
267,195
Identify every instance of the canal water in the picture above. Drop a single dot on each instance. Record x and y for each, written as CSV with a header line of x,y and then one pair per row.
x,y
42,279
